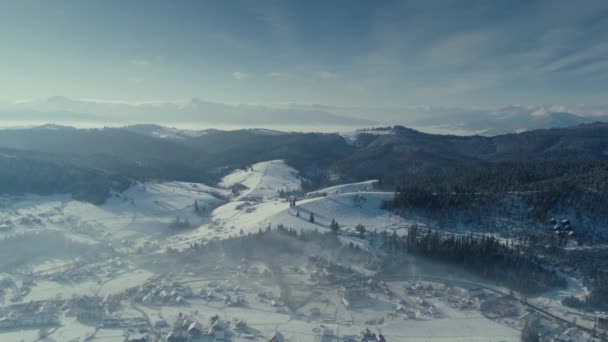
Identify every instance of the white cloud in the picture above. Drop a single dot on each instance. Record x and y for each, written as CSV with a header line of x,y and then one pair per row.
x,y
239,75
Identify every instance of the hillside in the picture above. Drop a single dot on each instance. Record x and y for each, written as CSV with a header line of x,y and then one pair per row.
x,y
405,151
393,154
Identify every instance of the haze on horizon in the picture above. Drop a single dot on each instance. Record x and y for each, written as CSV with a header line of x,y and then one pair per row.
x,y
255,63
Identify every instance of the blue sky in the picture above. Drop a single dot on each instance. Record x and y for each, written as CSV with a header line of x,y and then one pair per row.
x,y
341,53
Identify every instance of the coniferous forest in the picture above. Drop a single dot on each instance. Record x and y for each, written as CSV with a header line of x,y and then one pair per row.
x,y
485,256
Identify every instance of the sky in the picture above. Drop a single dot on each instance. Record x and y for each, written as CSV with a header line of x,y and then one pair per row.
x,y
333,53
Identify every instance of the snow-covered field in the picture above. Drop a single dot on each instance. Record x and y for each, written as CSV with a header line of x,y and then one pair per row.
x,y
56,248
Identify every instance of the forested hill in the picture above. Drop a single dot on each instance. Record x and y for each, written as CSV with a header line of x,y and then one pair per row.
x,y
394,154
400,151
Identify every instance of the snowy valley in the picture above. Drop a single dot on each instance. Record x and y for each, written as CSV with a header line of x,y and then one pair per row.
x,y
160,262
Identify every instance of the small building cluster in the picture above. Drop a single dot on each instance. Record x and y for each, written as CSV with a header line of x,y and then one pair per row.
x,y
352,296
563,231
152,293
29,315
186,329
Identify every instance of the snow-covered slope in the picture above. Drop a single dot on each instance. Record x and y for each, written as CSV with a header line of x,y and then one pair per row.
x,y
165,132
141,212
264,180
348,210
344,188
351,136
117,249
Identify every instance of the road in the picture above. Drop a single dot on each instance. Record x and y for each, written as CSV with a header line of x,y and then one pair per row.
x,y
491,289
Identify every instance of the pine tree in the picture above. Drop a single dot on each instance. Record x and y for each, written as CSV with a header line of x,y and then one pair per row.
x,y
335,227
360,229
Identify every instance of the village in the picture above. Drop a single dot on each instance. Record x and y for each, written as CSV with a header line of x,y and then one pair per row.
x,y
295,298
265,266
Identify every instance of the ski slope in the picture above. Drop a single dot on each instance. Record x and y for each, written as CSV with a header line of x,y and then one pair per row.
x,y
259,206
264,180
348,210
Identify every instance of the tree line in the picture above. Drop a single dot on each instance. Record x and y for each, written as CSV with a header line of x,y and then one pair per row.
x,y
486,256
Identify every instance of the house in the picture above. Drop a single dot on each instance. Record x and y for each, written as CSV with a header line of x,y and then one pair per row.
x,y
601,322
161,324
195,330
26,321
351,296
177,336
278,337
137,338
89,316
530,318
240,325
328,335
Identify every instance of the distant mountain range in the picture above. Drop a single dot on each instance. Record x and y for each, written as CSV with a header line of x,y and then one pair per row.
x,y
200,113
64,110
511,119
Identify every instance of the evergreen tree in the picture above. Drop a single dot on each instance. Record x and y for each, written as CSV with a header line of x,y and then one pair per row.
x,y
360,229
335,227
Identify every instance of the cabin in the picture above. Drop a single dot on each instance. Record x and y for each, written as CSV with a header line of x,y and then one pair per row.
x,y
278,337
195,330
601,322
177,336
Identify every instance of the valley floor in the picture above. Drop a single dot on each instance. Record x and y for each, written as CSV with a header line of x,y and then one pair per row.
x,y
73,271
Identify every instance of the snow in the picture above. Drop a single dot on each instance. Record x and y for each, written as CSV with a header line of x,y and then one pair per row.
x,y
344,188
351,137
70,331
141,215
174,133
19,335
264,131
264,180
148,208
348,210
551,300
124,281
48,290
